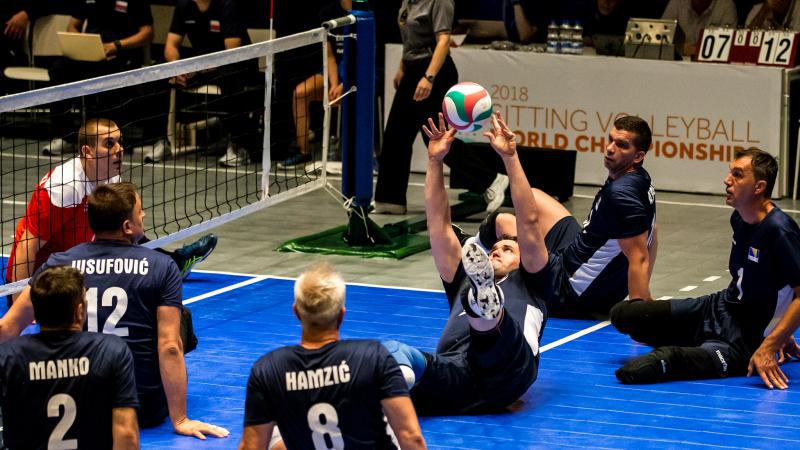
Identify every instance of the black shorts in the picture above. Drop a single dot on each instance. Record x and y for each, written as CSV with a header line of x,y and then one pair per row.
x,y
496,370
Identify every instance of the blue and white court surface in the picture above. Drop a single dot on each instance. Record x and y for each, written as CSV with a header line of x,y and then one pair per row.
x,y
575,402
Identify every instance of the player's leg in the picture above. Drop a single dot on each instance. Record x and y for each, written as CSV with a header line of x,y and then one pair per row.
x,y
659,323
712,359
411,360
549,210
309,90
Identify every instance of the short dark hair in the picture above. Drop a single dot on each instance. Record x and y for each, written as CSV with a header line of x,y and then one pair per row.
x,y
110,205
89,131
639,127
765,166
55,294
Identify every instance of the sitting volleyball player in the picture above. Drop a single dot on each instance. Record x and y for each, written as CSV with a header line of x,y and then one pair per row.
x,y
55,219
62,387
488,354
133,292
740,329
327,392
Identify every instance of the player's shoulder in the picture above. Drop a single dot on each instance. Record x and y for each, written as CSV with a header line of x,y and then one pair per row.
x,y
65,184
781,221
635,184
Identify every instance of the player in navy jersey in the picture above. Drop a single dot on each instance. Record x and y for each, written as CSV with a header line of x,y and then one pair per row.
x,y
488,353
64,388
613,253
135,293
326,392
744,328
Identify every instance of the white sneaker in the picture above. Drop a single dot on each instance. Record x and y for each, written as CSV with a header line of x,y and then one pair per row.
x,y
495,195
234,156
155,153
55,147
484,299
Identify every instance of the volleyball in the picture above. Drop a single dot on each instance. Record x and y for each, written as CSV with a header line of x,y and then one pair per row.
x,y
467,106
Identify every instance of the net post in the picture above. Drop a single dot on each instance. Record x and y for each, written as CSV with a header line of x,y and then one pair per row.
x,y
359,113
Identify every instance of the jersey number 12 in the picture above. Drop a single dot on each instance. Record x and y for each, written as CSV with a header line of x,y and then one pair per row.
x,y
107,300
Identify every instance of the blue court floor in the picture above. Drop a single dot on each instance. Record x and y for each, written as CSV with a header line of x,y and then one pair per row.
x,y
576,401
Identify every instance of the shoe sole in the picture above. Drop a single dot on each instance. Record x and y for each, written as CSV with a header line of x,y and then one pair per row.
x,y
485,299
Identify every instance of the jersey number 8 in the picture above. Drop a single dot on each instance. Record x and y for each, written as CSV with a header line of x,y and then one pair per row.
x,y
324,424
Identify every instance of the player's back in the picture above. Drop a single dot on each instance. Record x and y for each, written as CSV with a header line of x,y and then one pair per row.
x,y
328,397
59,388
125,285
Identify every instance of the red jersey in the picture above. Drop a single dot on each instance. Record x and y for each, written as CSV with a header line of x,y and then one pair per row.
x,y
57,212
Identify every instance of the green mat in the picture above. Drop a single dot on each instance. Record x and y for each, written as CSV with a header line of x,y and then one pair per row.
x,y
367,239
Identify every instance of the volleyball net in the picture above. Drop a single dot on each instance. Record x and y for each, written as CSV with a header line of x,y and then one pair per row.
x,y
204,138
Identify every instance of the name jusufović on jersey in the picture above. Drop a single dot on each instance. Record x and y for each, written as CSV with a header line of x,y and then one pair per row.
x,y
107,266
58,368
317,378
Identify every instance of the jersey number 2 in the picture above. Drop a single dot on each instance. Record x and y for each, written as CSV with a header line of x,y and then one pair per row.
x,y
56,441
324,424
110,327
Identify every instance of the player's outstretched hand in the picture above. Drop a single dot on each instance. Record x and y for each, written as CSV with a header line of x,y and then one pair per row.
x,y
189,427
764,362
502,139
788,350
439,138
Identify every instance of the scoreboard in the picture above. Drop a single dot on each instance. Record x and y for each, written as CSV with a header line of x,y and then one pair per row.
x,y
760,47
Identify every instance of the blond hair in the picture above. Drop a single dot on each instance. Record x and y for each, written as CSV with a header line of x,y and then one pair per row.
x,y
319,296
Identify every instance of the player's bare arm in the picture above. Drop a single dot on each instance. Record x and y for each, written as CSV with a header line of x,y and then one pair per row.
x,y
635,249
765,359
124,429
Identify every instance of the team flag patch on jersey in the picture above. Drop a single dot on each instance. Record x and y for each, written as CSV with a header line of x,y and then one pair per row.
x,y
752,254
121,6
215,26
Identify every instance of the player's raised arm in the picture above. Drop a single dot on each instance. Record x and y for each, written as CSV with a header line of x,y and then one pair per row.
x,y
444,243
533,253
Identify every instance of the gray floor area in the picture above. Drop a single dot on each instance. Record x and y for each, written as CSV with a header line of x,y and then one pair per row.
x,y
694,241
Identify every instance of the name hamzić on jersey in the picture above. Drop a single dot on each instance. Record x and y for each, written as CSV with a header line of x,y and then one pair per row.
x,y
317,378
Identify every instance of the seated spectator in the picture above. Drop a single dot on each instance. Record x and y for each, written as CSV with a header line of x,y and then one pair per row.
x,y
776,14
694,15
610,18
125,27
526,21
101,395
212,26
17,15
150,317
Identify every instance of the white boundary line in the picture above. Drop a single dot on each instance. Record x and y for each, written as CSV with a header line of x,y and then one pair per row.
x,y
225,289
258,278
574,336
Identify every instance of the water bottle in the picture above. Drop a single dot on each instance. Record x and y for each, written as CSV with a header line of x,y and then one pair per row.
x,y
552,37
577,38
564,37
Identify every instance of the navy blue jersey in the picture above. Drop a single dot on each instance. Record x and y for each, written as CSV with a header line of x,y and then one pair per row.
x,y
125,285
765,268
208,30
331,393
623,208
525,297
60,387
